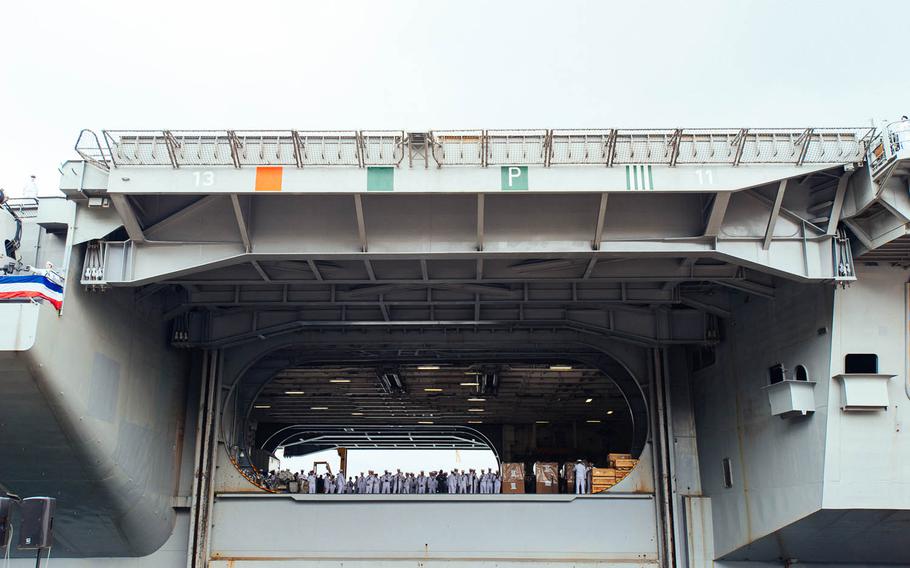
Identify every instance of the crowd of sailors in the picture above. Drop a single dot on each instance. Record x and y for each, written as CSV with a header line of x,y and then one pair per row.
x,y
453,482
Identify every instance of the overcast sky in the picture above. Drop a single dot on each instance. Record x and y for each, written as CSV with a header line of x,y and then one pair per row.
x,y
70,65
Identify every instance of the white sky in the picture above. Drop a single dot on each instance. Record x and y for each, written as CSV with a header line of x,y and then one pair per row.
x,y
69,65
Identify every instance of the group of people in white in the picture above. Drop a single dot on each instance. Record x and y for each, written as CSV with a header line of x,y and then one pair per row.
x,y
453,482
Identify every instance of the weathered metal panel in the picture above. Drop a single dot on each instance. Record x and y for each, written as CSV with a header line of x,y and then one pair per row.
x,y
868,453
109,455
564,179
777,464
699,532
480,529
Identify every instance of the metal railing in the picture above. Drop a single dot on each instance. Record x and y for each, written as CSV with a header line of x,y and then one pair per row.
x,y
894,138
544,147
23,207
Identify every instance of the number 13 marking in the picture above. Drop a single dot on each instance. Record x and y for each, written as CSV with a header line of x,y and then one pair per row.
x,y
204,179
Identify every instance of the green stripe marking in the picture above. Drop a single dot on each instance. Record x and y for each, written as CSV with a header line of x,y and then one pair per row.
x,y
628,185
650,176
380,179
514,178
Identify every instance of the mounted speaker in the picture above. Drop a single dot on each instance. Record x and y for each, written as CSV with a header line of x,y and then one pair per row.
x,y
36,528
6,513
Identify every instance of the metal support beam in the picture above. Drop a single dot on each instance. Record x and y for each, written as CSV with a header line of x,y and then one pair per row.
x,y
182,213
718,210
480,204
704,306
673,147
599,227
385,309
315,269
242,225
361,225
369,266
748,287
838,205
739,144
775,213
262,273
590,267
128,216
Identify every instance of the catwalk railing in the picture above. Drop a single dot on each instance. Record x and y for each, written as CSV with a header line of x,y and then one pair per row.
x,y
363,148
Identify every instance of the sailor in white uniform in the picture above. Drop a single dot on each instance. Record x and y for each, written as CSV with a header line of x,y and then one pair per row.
x,y
581,477
311,482
452,481
421,483
377,484
339,483
462,482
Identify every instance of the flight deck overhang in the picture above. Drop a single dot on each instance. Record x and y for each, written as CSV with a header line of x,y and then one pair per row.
x,y
642,234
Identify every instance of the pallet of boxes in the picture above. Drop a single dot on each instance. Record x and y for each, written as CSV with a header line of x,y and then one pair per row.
x,y
513,478
547,476
603,478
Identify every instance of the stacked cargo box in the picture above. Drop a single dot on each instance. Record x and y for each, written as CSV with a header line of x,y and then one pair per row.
x,y
547,474
513,478
602,478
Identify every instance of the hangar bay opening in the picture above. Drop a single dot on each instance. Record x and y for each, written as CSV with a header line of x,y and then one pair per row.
x,y
535,410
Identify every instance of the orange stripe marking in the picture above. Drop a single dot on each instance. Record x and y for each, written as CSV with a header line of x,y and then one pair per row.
x,y
268,178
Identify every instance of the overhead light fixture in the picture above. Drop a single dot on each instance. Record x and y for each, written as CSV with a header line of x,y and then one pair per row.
x,y
560,367
432,390
477,400
357,414
291,393
609,412
469,384
471,372
319,408
262,406
589,400
542,422
427,367
424,421
475,421
340,380
475,410
593,421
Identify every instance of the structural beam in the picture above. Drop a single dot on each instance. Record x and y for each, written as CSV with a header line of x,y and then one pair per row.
x,y
590,268
838,205
128,216
182,213
599,227
718,210
242,225
361,224
262,273
775,213
480,211
748,287
369,266
314,269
